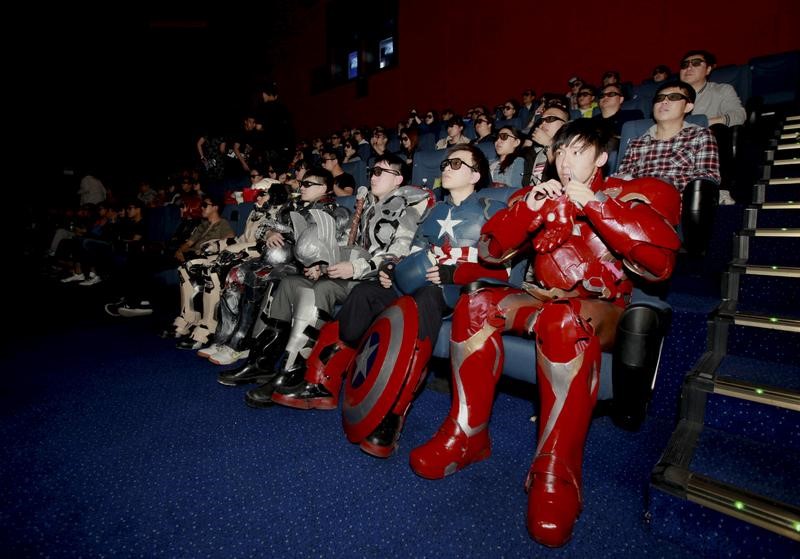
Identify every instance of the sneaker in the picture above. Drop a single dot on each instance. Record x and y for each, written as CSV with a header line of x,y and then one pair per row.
x,y
725,198
73,278
112,309
227,355
187,342
207,352
142,309
93,279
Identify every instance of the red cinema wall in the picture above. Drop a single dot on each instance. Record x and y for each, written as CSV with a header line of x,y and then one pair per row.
x,y
474,51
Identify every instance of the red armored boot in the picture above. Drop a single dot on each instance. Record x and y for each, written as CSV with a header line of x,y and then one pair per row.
x,y
568,373
476,356
326,366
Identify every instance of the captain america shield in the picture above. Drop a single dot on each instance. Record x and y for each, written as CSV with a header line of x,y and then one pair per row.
x,y
379,369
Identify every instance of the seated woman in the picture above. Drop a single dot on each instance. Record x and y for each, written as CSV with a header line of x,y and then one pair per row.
x,y
484,129
409,139
508,168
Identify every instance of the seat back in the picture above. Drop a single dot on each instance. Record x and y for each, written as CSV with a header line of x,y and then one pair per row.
x,y
359,171
776,78
488,150
426,142
736,76
426,167
236,215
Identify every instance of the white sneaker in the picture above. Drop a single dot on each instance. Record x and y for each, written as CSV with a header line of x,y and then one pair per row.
x,y
142,309
725,198
226,356
74,278
209,351
93,279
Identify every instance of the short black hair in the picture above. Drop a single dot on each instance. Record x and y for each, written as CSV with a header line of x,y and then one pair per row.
x,y
591,131
479,160
710,59
392,160
323,174
688,90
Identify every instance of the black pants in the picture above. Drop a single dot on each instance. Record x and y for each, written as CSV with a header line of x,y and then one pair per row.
x,y
369,299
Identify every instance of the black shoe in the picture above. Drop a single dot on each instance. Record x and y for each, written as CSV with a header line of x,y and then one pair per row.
x,y
291,380
260,397
382,442
187,342
305,396
249,373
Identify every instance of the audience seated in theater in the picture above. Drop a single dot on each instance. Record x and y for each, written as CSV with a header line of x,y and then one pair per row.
x,y
508,168
613,77
350,147
661,73
586,101
455,136
574,83
672,149
527,109
378,142
507,116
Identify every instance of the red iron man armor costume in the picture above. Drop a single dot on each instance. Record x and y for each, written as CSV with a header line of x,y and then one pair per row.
x,y
580,292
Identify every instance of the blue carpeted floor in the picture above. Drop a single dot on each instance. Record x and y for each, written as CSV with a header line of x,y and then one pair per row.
x,y
116,444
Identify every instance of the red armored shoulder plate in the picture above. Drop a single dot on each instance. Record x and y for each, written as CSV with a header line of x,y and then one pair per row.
x,y
659,195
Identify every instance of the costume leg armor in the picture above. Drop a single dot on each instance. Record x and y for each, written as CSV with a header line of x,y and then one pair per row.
x,y
190,288
637,352
325,369
476,361
567,372
211,295
260,365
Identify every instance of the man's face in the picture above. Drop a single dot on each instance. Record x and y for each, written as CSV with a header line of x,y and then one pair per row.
x,y
527,98
388,181
462,177
575,87
249,124
454,130
552,121
482,126
335,140
312,188
328,161
666,109
379,139
207,208
695,71
578,162
610,98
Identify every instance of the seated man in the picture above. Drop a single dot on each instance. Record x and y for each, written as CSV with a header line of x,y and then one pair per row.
x,y
610,103
672,149
720,103
385,227
443,258
587,235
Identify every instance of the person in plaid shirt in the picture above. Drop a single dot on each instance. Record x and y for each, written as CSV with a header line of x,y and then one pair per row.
x,y
672,149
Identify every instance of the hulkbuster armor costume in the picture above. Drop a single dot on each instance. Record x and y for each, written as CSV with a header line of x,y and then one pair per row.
x,y
203,275
397,332
581,289
244,307
384,230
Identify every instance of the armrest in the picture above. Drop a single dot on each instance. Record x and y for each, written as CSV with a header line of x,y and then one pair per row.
x,y
700,201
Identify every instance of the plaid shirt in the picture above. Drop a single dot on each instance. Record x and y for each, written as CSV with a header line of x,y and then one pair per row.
x,y
690,154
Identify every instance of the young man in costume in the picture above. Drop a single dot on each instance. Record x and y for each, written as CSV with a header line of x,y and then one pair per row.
x,y
587,235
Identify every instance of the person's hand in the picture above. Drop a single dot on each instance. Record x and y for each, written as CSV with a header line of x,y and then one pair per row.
x,y
274,239
432,275
313,273
179,256
541,192
579,193
384,279
341,270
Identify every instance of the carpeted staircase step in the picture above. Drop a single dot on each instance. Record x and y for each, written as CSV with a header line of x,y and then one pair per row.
x,y
753,410
766,270
756,335
760,371
772,232
727,496
763,289
778,250
756,320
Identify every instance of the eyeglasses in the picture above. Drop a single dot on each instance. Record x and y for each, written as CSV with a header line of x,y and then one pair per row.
x,y
254,176
585,94
378,171
334,137
670,96
552,118
404,139
329,158
309,184
207,204
693,61
455,164
428,116
505,136
481,121
508,107
610,94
